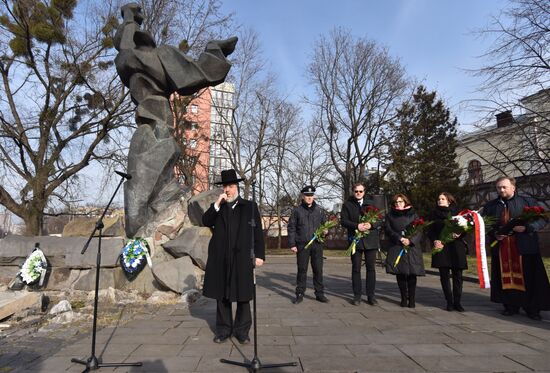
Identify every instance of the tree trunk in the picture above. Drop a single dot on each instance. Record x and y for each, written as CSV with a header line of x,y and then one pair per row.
x,y
33,222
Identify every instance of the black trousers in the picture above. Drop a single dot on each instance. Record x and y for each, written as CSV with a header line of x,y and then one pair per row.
x,y
224,319
451,296
407,286
302,260
370,262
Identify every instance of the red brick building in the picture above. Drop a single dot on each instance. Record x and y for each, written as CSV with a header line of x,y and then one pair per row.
x,y
206,136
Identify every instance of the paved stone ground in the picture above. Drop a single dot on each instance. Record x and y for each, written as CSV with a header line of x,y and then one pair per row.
x,y
333,337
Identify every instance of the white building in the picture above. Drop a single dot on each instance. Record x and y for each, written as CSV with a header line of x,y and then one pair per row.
x,y
517,146
221,136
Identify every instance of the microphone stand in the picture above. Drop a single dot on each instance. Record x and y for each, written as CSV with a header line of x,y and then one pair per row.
x,y
93,363
255,365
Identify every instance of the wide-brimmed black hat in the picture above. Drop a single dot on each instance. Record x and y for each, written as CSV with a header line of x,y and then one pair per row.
x,y
229,177
308,190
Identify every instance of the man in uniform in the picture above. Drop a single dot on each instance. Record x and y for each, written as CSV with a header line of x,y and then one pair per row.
x,y
303,222
229,269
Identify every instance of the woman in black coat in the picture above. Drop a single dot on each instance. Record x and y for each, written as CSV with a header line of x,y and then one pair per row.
x,y
411,264
452,257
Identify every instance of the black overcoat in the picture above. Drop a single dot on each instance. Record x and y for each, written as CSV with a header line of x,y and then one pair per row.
x,y
349,218
453,254
411,263
237,275
537,294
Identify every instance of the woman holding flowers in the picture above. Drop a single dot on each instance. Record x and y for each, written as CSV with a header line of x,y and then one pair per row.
x,y
404,258
363,235
449,253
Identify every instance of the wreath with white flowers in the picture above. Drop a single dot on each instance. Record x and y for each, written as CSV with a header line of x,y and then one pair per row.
x,y
34,268
134,256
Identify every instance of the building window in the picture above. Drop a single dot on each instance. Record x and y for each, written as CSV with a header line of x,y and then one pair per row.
x,y
194,126
193,143
475,175
194,109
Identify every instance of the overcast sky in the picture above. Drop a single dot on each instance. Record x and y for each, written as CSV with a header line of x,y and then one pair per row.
x,y
433,38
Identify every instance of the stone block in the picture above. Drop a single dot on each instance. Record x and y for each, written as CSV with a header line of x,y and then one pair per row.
x,y
82,227
200,203
61,251
177,275
12,302
144,283
110,251
192,242
86,280
7,273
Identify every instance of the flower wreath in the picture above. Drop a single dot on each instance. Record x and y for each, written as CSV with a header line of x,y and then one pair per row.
x,y
34,268
134,256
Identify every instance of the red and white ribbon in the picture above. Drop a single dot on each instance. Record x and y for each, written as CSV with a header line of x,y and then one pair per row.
x,y
481,254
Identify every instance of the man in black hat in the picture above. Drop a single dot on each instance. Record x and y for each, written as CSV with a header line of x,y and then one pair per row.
x,y
303,222
229,269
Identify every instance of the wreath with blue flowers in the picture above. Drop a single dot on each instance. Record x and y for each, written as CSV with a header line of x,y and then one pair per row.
x,y
134,256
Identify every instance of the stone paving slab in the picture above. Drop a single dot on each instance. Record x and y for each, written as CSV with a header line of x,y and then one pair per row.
x,y
333,337
492,349
470,364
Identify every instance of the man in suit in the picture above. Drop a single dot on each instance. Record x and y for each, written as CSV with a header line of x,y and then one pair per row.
x,y
367,246
229,273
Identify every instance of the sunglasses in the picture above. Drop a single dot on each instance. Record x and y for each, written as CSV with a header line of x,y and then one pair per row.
x,y
358,191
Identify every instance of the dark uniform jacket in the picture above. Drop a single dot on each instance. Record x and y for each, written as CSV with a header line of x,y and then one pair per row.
x,y
229,269
303,222
411,263
528,242
349,218
453,254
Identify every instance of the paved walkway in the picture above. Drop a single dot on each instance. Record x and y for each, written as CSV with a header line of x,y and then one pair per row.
x,y
333,337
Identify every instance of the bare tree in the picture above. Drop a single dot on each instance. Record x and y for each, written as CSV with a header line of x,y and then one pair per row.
x,y
358,86
281,140
190,24
310,164
61,102
516,77
519,57
253,110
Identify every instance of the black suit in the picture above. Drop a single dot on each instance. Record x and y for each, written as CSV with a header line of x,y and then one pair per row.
x,y
367,246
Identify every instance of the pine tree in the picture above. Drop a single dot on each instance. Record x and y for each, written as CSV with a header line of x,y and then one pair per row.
x,y
421,151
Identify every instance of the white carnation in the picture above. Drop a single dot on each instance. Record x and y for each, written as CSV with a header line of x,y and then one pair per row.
x,y
461,221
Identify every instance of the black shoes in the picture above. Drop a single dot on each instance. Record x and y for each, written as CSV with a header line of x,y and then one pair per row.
x,y
459,307
356,301
321,298
372,301
220,338
300,297
508,312
403,302
534,316
411,304
243,340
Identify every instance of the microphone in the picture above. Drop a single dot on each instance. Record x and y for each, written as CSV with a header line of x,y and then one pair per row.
x,y
126,176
